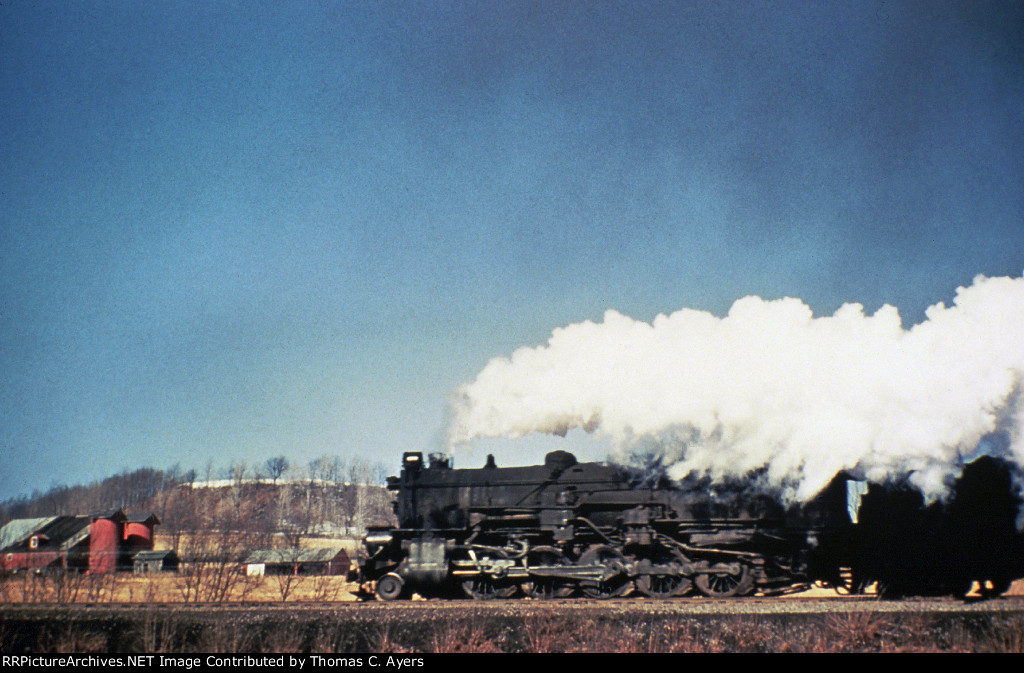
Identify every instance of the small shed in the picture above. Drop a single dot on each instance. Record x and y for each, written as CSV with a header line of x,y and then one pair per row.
x,y
162,560
326,561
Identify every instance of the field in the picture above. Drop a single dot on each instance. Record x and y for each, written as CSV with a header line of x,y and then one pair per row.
x,y
207,584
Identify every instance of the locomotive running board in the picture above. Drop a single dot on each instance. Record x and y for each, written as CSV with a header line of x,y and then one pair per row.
x,y
594,573
591,573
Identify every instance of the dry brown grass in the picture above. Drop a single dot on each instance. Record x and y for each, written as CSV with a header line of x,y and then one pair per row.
x,y
463,638
845,632
552,633
169,588
1005,635
388,637
255,631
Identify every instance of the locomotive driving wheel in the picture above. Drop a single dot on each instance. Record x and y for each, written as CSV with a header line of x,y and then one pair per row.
x,y
994,587
547,587
613,581
725,582
851,582
665,585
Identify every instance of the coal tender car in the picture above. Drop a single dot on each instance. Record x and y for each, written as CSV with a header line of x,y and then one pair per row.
x,y
568,528
971,540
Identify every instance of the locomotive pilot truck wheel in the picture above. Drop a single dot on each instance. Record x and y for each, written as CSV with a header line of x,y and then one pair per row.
x,y
390,587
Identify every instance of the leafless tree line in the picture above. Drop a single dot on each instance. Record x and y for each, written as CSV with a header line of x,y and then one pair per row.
x,y
330,494
126,490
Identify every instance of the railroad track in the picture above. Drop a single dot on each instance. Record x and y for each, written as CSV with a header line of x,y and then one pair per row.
x,y
695,605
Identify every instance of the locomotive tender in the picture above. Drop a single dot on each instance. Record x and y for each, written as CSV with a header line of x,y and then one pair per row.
x,y
600,530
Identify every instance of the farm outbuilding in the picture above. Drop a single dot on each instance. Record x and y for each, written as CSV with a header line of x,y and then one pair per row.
x,y
97,543
164,560
326,561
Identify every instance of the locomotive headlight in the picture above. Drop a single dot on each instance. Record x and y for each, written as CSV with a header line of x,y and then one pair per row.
x,y
379,539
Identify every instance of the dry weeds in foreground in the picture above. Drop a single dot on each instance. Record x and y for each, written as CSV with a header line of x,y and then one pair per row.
x,y
158,631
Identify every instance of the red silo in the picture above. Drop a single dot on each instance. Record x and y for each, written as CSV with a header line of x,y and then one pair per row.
x,y
105,533
138,533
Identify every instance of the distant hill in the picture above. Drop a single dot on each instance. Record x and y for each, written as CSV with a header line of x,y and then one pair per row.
x,y
292,506
127,490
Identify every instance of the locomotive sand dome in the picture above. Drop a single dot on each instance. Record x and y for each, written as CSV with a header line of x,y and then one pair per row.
x,y
565,527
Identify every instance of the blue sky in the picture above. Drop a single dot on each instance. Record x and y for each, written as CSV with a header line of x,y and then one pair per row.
x,y
230,231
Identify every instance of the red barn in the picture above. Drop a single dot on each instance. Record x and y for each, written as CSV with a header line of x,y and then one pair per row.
x,y
100,543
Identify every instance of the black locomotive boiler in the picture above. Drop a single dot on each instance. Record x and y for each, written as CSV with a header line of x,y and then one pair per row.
x,y
566,527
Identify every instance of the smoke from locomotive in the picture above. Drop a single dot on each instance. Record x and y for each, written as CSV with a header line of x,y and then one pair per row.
x,y
774,391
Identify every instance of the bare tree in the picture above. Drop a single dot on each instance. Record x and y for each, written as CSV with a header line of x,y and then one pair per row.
x,y
238,472
211,569
288,578
327,587
276,467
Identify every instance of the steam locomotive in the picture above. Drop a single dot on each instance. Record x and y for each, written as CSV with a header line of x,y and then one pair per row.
x,y
567,528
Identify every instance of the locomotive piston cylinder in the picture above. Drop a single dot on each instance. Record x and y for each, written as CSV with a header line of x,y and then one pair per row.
x,y
426,563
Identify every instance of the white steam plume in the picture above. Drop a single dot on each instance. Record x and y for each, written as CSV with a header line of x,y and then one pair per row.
x,y
771,388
